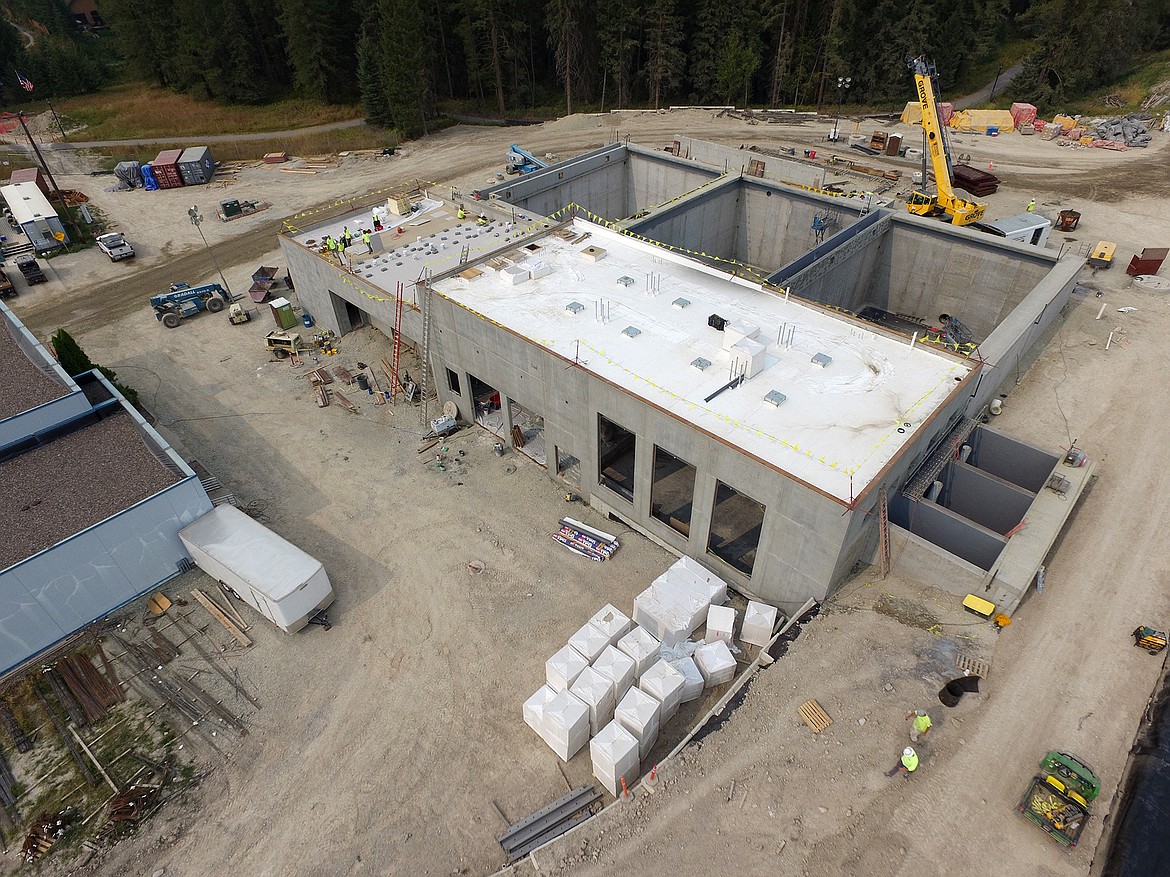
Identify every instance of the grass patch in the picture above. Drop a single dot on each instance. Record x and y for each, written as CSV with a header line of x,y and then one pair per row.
x,y
1008,54
1152,73
137,110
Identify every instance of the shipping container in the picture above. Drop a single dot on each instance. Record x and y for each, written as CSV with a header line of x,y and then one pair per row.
x,y
166,169
31,175
196,166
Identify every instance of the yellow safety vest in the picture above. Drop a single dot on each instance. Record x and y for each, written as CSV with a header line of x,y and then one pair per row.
x,y
910,762
922,724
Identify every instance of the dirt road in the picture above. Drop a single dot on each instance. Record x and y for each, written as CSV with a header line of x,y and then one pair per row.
x,y
385,745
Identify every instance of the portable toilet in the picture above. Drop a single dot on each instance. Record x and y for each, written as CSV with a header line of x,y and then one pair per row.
x,y
282,313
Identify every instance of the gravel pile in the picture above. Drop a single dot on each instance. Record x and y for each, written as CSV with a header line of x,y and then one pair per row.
x,y
50,493
22,384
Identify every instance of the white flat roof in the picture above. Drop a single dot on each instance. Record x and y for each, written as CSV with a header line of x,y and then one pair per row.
x,y
837,426
27,202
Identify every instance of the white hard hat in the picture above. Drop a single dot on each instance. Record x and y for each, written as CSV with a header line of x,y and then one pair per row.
x,y
920,712
908,751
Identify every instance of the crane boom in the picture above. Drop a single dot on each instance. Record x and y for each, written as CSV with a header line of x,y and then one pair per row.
x,y
959,210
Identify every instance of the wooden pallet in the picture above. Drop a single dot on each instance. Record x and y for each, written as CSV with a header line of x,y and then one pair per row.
x,y
320,376
814,716
343,374
972,666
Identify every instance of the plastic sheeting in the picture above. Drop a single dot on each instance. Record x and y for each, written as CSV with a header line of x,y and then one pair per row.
x,y
641,647
912,113
534,708
640,714
566,725
618,667
614,752
978,121
129,172
715,662
759,620
589,641
612,622
693,687
664,683
595,690
563,668
720,624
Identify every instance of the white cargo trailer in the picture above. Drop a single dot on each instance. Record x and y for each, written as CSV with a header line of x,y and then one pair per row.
x,y
268,572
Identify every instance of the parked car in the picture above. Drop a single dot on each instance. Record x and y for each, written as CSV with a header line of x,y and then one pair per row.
x,y
115,246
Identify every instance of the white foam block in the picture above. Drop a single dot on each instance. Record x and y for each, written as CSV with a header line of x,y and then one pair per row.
x,y
589,641
642,647
566,725
595,690
759,620
720,624
563,668
702,579
665,684
618,667
693,687
736,331
534,708
715,662
612,622
640,714
614,752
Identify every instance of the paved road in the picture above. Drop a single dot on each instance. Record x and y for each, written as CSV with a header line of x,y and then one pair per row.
x,y
197,140
982,95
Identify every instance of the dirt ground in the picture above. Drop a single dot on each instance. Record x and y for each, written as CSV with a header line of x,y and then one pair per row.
x,y
386,745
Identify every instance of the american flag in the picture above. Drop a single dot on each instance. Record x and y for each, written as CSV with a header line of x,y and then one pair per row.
x,y
24,83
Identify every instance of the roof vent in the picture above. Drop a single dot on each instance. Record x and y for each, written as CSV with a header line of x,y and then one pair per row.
x,y
701,364
594,254
681,303
821,359
574,307
631,331
625,281
775,397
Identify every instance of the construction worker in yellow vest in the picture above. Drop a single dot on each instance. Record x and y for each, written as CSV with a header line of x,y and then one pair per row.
x,y
366,241
461,213
921,725
906,765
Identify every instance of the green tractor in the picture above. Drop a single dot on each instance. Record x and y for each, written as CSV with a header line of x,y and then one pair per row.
x,y
1058,798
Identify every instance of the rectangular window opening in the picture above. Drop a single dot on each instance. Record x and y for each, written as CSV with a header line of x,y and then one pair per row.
x,y
672,491
616,449
453,381
736,523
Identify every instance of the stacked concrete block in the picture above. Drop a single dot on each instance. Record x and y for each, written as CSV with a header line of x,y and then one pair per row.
x,y
720,624
759,620
664,683
589,641
615,757
715,662
612,622
642,647
618,667
694,683
676,602
535,706
595,690
566,725
563,668
640,714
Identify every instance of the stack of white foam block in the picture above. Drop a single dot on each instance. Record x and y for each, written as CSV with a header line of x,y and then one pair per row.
x,y
720,624
563,668
589,641
693,679
614,751
596,692
676,602
534,708
640,714
618,667
715,662
612,622
759,620
665,684
642,648
566,725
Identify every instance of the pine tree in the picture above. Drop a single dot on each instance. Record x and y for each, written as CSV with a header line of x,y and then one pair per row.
x,y
406,49
618,27
70,355
565,20
371,74
664,55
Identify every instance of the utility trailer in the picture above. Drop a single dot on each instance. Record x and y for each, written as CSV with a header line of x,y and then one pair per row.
x,y
1059,796
266,571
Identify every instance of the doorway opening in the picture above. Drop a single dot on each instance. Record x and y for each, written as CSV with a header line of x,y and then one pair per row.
x,y
527,432
489,411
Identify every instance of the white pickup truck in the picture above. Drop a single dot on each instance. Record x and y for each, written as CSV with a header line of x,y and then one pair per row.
x,y
115,246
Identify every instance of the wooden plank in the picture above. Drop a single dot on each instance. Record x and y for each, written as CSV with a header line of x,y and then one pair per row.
x,y
293,170
205,601
227,607
322,397
426,446
340,397
814,716
343,374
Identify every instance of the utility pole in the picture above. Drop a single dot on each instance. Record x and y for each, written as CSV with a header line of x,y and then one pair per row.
x,y
56,119
45,167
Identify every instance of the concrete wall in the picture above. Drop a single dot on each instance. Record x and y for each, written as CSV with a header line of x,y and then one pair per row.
x,y
614,182
985,499
316,278
839,272
1011,460
914,557
950,531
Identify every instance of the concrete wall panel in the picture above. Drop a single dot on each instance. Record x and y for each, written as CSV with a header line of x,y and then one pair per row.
x,y
954,533
1013,461
985,499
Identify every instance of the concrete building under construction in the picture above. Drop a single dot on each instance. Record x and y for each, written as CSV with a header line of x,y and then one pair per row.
x,y
749,372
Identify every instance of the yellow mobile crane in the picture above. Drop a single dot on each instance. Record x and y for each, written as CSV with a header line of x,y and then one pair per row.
x,y
957,210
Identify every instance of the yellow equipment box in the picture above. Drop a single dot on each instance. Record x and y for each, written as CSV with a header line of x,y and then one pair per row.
x,y
1102,254
979,606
